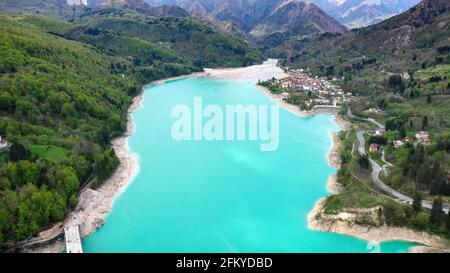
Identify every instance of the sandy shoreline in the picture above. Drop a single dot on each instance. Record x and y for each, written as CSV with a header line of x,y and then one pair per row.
x,y
94,205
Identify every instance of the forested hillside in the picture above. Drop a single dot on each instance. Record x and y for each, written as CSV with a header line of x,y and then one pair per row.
x,y
400,72
200,44
398,63
64,92
60,104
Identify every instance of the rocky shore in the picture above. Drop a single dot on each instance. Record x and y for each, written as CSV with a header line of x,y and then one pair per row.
x,y
346,222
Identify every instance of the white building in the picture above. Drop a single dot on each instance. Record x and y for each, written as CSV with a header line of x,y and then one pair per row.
x,y
398,143
3,143
322,101
380,131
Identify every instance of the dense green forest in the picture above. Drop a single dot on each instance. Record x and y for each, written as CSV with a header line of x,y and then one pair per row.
x,y
64,92
198,43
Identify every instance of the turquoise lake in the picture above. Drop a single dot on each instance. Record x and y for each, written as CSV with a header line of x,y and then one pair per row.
x,y
223,196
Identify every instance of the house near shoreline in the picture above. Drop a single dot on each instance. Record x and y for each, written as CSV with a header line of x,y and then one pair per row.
x,y
284,96
322,101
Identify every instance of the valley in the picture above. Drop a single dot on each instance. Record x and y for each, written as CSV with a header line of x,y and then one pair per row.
x,y
71,70
68,87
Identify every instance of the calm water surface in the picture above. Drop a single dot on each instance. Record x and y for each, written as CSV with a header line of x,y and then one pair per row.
x,y
223,196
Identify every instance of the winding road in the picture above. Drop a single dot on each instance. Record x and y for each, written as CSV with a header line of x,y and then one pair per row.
x,y
376,169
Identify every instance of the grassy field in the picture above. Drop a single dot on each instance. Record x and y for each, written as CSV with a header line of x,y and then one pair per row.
x,y
354,195
49,151
442,70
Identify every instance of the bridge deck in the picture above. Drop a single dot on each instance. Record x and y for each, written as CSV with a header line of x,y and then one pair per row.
x,y
73,240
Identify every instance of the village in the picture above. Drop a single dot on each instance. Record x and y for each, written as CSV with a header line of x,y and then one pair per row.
x,y
321,93
308,92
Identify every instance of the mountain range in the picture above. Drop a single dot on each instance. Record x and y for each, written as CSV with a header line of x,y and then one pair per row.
x,y
417,32
255,18
263,17
247,15
360,13
352,13
248,19
411,49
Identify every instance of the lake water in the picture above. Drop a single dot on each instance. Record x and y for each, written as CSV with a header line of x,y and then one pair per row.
x,y
223,196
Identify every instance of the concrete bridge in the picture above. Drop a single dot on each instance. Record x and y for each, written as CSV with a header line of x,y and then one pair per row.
x,y
72,236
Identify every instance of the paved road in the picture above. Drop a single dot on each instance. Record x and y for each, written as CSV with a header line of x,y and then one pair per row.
x,y
386,163
362,143
350,114
376,123
384,160
376,169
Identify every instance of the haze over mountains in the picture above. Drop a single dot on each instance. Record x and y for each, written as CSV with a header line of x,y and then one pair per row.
x,y
352,13
360,13
247,14
257,18
262,17
251,20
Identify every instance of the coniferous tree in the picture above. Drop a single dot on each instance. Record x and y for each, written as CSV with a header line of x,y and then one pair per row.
x,y
363,161
18,151
402,132
447,224
424,122
417,202
436,212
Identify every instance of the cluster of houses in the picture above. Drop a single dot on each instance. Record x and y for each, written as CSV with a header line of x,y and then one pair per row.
x,y
299,81
422,137
3,143
328,93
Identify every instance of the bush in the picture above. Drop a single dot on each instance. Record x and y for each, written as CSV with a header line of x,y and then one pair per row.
x,y
420,221
393,214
